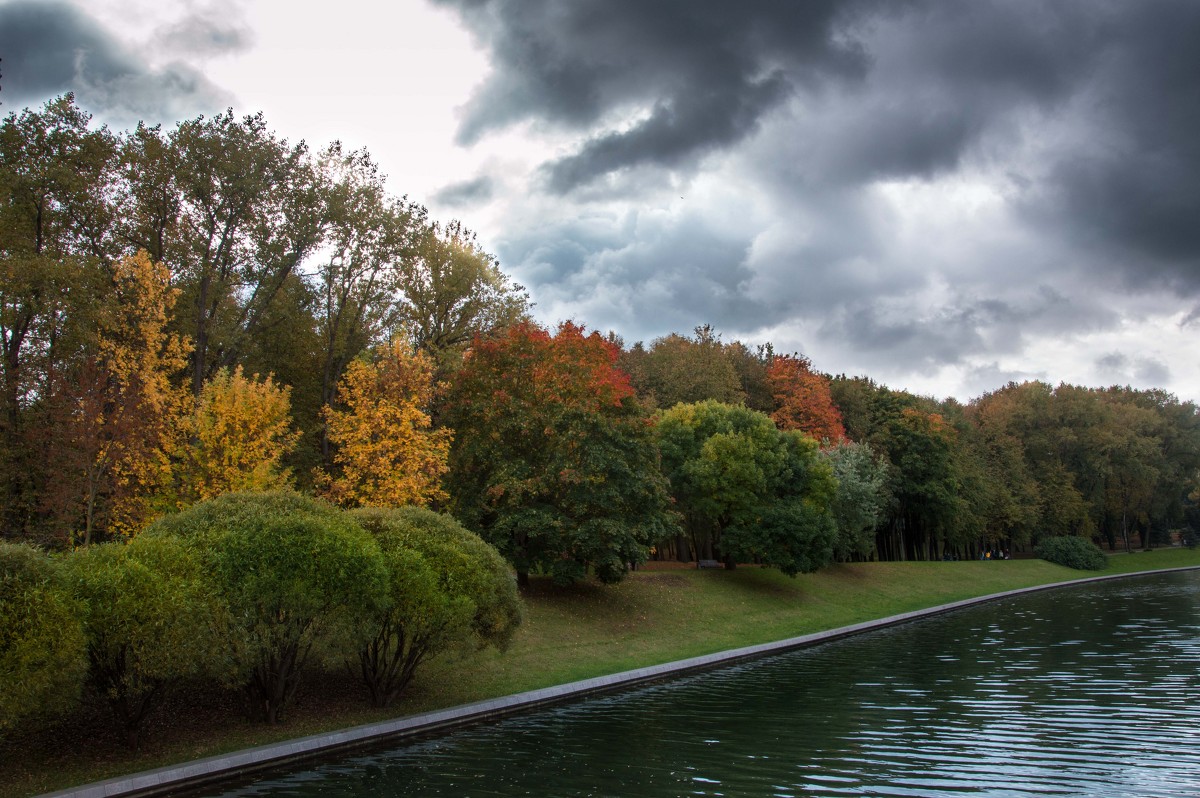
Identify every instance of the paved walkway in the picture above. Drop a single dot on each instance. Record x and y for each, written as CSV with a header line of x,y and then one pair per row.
x,y
212,769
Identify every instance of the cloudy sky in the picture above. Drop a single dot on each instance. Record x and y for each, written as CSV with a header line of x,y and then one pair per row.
x,y
942,195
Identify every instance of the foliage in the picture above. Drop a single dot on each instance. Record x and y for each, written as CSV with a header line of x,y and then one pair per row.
x,y
386,453
42,654
126,414
147,619
238,436
1072,552
748,490
679,369
452,291
553,461
862,498
446,588
802,399
292,572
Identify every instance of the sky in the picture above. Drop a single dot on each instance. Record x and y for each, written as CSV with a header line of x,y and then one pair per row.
x,y
943,196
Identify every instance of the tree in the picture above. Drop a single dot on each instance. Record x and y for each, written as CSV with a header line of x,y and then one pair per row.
x,y
56,220
553,460
862,497
290,572
746,489
124,411
368,238
446,589
235,214
802,399
237,438
452,291
148,623
387,454
42,649
677,369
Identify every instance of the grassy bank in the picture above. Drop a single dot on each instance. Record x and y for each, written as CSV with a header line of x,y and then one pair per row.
x,y
569,634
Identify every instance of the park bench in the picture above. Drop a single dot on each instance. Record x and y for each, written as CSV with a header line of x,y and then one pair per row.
x,y
708,564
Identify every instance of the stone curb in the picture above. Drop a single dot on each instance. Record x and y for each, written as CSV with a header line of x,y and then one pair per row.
x,y
190,775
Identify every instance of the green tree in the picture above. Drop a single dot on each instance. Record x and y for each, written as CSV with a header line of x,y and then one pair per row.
x,y
42,647
553,460
678,369
453,291
862,498
746,489
446,589
148,623
292,574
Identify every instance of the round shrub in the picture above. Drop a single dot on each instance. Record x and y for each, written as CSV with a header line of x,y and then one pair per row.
x,y
446,588
292,573
42,653
1072,552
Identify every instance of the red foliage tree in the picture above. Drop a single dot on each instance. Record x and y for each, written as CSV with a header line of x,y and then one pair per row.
x,y
802,398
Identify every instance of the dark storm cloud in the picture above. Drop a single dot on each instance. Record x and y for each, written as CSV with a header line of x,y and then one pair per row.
x,y
695,75
1073,125
51,48
479,189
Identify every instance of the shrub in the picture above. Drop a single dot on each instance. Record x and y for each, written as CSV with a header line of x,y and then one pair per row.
x,y
147,619
1073,552
42,654
292,572
446,587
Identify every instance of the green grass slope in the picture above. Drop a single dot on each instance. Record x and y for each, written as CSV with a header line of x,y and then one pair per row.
x,y
569,634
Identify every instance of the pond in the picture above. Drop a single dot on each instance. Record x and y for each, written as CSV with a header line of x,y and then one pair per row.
x,y
1088,690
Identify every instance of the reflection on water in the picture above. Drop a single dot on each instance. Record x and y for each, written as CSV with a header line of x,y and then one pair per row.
x,y
1093,690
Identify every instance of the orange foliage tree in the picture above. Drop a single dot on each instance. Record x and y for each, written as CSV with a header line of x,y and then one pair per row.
x,y
387,454
802,399
553,460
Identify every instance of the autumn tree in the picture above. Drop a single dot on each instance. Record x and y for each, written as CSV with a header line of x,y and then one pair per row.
x,y
553,460
237,437
123,412
386,452
235,214
802,399
677,369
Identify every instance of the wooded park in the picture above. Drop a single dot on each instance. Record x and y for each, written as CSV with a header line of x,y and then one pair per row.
x,y
241,376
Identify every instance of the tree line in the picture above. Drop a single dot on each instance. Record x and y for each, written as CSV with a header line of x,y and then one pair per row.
x,y
151,278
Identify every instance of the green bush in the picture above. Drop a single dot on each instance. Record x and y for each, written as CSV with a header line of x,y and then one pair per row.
x,y
148,620
42,653
446,587
1073,552
292,572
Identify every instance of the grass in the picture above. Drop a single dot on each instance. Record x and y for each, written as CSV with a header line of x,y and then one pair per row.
x,y
571,633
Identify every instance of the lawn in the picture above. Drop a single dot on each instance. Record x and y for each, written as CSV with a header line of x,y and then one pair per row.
x,y
570,633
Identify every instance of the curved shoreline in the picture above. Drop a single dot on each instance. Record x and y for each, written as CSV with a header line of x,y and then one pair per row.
x,y
194,774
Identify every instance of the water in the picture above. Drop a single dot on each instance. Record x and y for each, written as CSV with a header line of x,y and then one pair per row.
x,y
1091,690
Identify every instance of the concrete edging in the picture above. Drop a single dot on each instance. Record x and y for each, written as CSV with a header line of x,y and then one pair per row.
x,y
198,772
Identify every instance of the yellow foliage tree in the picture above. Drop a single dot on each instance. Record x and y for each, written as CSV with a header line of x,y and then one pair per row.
x,y
128,410
238,436
387,455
